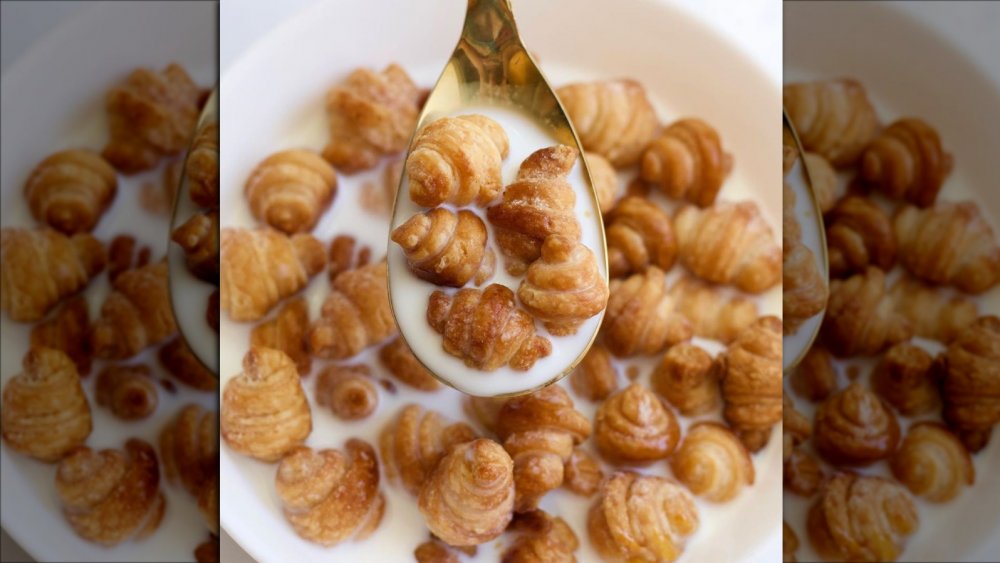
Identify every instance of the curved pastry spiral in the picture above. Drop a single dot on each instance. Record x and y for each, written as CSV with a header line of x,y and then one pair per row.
x,y
904,378
728,243
804,291
613,118
185,367
854,427
265,413
397,357
330,496
446,248
859,234
594,378
67,331
291,189
287,332
260,267
70,190
564,287
752,382
688,378
355,315
712,462
907,161
414,442
111,495
712,313
486,329
457,160
950,243
860,317
971,382
540,538
833,118
127,391
639,235
605,180
582,473
815,378
349,391
642,317
45,412
687,162
189,448
469,497
539,203
933,463
199,237
135,315
203,165
40,267
641,518
932,313
634,426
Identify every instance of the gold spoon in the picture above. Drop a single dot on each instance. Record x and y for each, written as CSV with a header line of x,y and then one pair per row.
x,y
491,66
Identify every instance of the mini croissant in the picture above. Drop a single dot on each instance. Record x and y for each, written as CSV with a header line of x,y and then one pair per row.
x,y
729,243
582,473
397,357
446,248
45,412
181,363
135,315
859,234
634,426
804,291
613,118
414,442
639,235
833,118
605,180
823,180
642,317
854,427
860,318
203,165
905,378
538,204
260,267
70,190
129,392
971,382
67,331
933,463
594,378
291,189
687,162
815,378
711,312
40,267
199,237
355,315
540,538
189,448
752,382
348,390
712,462
287,332
934,315
688,378
906,161
486,329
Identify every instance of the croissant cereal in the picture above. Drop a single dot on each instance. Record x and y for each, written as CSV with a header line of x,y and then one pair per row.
x,y
181,363
446,248
795,428
860,317
70,190
208,504
397,357
414,442
971,382
469,498
348,391
260,267
859,234
906,161
815,378
483,410
540,537
347,254
582,473
189,448
642,316
127,391
372,114
803,474
854,427
564,287
135,315
613,118
202,165
40,267
858,518
823,180
639,235
539,203
728,243
712,462
948,244
634,426
436,551
905,378
265,413
791,230
641,518
355,315
833,118
486,329
331,496
932,463
804,291
594,378
290,190
539,432
67,331
199,237
124,254
687,162
712,312
45,412
604,179
688,378
457,160
150,115
934,315
752,382
110,496
287,332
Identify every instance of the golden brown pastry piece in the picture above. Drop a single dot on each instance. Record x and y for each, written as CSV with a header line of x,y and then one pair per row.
x,y
582,473
469,498
70,190
687,162
265,413
414,442
950,243
372,114
934,315
594,378
208,551
728,243
189,448
635,427
67,331
641,518
971,382
150,115
804,290
823,180
40,267
208,503
260,267
199,237
815,378
483,410
613,118
712,462
539,431
605,180
331,496
110,496
795,428
539,203
859,234
832,117
712,312
355,315
791,230
125,254
688,378
803,474
290,190
457,160
347,254
859,518
202,165
933,463
128,391
486,329
564,287
287,332
446,248
907,161
639,234
184,366
854,427
45,412
436,551
860,317
790,543
642,316
752,382
905,378
540,538
397,357
349,391
135,315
